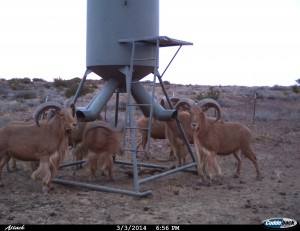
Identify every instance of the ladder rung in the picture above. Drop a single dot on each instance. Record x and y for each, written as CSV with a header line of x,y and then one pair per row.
x,y
138,128
130,149
146,59
139,104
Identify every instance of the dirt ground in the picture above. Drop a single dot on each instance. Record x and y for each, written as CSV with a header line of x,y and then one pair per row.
x,y
177,198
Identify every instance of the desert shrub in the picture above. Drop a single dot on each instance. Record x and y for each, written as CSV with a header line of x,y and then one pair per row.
x,y
47,86
18,83
60,83
26,95
72,90
211,93
296,89
278,88
38,80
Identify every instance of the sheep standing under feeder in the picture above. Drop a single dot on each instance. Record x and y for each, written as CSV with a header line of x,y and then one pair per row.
x,y
100,141
46,142
213,137
157,127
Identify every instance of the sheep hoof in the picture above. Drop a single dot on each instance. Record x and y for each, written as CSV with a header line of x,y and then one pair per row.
x,y
45,191
172,167
201,183
236,176
1,184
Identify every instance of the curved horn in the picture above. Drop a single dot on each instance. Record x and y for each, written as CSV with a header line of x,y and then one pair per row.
x,y
205,104
185,102
69,103
164,103
44,107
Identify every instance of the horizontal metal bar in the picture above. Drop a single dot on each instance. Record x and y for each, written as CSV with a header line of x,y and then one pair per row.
x,y
142,164
102,188
166,173
71,164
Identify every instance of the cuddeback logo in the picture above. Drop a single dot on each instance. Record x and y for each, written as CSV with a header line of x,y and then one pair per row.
x,y
279,223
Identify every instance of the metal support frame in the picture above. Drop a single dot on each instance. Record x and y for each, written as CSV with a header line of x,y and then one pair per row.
x,y
127,71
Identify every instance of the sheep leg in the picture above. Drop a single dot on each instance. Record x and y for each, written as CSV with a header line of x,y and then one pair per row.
x,y
237,156
108,164
3,161
14,164
199,165
7,165
171,155
43,172
212,167
92,160
249,153
77,155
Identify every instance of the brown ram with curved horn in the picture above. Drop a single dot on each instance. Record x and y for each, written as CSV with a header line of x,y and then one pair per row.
x,y
212,138
173,133
45,142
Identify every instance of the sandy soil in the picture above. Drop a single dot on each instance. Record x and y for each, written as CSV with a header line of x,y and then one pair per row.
x,y
176,198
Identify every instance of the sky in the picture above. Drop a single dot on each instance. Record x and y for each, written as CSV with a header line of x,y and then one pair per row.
x,y
235,42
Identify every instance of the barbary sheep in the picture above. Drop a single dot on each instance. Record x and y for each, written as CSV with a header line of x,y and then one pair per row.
x,y
175,137
157,132
101,141
213,137
157,127
75,139
45,142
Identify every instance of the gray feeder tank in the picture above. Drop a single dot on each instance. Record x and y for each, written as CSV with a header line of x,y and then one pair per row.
x,y
109,22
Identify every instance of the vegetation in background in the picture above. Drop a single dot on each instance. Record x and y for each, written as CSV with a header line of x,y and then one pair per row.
x,y
72,85
211,93
296,88
17,83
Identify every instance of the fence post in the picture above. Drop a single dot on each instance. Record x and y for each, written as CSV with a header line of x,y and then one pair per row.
x,y
254,107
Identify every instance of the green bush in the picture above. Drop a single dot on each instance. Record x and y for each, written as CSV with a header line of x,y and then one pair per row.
x,y
15,83
72,90
58,83
296,89
211,93
38,80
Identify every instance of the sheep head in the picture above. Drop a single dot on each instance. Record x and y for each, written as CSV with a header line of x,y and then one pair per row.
x,y
197,110
58,110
